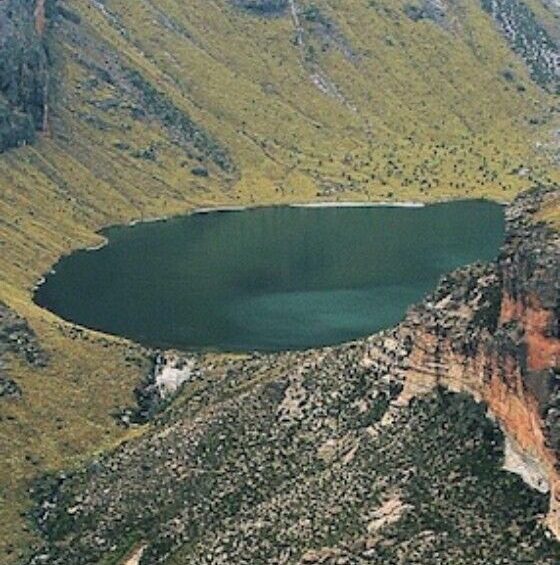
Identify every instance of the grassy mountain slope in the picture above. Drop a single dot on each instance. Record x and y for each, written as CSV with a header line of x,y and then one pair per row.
x,y
161,106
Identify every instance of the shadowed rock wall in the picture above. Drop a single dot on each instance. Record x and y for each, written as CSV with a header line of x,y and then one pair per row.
x,y
24,73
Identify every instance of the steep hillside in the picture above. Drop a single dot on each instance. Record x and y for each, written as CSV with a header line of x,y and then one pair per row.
x,y
112,110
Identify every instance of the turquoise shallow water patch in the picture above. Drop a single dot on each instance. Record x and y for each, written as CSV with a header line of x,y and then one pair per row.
x,y
271,278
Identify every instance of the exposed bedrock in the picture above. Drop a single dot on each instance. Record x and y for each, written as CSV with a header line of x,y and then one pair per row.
x,y
19,340
24,71
494,331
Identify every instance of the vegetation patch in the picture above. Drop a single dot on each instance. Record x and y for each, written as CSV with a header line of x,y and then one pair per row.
x,y
228,488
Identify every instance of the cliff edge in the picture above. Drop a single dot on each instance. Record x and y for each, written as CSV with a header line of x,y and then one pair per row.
x,y
494,331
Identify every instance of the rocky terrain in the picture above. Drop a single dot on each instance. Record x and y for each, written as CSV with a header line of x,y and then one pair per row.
x,y
24,74
350,454
529,39
18,339
434,10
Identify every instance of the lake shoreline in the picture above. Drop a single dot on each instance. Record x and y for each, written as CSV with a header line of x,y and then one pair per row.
x,y
350,302
364,204
203,210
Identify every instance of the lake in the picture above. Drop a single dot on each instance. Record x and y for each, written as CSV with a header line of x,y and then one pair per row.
x,y
269,279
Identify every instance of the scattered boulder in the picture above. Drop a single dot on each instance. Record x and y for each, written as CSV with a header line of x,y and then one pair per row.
x,y
17,337
9,388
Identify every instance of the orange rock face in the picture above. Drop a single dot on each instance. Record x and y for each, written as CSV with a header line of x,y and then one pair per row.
x,y
543,350
497,381
518,410
495,334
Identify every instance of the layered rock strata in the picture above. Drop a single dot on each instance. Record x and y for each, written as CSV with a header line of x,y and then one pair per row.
x,y
494,331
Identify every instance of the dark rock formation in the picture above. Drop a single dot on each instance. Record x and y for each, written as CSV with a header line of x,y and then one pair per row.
x,y
16,338
24,76
326,33
433,10
8,388
263,7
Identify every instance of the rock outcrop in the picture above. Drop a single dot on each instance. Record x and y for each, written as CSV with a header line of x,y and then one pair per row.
x,y
16,338
169,372
263,7
433,10
529,39
24,71
494,332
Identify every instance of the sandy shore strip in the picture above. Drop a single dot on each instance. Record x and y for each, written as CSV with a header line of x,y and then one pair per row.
x,y
192,212
365,204
148,220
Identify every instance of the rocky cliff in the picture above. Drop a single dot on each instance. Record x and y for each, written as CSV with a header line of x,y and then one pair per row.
x,y
494,332
24,76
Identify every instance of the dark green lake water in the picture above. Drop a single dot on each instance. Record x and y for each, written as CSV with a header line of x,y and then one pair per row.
x,y
272,278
